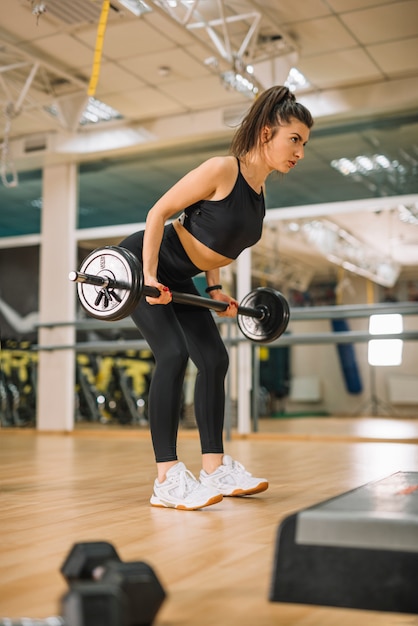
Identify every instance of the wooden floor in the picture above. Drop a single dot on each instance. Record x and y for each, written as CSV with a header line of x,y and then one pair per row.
x,y
215,564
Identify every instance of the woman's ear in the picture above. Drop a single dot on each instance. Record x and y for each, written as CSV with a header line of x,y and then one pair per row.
x,y
266,134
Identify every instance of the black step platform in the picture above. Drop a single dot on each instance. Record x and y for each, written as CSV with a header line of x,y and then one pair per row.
x,y
357,550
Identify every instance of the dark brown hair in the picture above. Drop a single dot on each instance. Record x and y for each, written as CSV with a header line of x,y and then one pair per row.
x,y
272,108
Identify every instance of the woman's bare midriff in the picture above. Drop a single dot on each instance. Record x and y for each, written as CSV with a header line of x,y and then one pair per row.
x,y
200,255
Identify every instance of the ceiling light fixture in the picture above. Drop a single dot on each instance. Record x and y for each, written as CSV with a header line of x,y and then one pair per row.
x,y
97,111
380,174
137,7
241,78
342,248
363,164
243,82
296,80
408,214
94,112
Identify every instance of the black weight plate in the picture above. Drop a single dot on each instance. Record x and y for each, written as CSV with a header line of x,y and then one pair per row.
x,y
120,265
276,315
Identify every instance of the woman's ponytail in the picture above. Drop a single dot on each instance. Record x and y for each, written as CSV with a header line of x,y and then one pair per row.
x,y
272,107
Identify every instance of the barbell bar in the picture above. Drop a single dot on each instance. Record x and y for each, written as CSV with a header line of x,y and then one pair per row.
x,y
110,285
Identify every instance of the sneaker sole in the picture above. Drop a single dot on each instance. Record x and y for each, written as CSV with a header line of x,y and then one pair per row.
x,y
248,492
182,507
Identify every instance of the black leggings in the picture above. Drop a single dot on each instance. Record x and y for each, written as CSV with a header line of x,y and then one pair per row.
x,y
174,333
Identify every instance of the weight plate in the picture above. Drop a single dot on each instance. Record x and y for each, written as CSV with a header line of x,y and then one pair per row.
x,y
120,265
276,315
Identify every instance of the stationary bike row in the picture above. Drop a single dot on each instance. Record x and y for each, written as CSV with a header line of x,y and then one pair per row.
x,y
18,377
112,388
108,388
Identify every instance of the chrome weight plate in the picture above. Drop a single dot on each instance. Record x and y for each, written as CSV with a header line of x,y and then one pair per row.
x,y
124,271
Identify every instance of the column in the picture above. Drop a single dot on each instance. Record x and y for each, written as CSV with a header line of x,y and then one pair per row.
x,y
56,368
244,348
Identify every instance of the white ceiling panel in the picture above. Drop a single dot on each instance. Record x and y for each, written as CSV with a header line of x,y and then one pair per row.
x,y
386,23
19,20
67,50
124,39
141,104
340,67
168,27
201,54
297,11
323,35
397,57
179,64
203,92
343,6
113,77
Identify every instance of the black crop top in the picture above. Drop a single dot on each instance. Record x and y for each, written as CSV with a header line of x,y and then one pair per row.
x,y
230,225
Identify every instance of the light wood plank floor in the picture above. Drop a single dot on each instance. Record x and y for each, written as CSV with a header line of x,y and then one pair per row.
x,y
215,564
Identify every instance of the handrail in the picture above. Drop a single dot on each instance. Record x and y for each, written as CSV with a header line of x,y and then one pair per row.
x,y
287,339
296,314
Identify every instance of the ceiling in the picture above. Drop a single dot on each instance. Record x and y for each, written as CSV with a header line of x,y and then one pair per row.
x,y
162,73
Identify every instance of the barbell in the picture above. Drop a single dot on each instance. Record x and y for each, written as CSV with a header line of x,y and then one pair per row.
x,y
110,283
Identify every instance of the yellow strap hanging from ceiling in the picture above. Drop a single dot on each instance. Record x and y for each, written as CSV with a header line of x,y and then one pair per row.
x,y
370,292
99,47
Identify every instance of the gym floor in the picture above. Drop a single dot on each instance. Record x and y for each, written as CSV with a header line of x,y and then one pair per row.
x,y
214,564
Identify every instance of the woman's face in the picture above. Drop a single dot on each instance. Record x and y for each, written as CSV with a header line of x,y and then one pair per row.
x,y
287,147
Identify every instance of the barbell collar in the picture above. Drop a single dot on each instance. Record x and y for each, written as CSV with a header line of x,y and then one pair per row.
x,y
99,280
96,280
259,312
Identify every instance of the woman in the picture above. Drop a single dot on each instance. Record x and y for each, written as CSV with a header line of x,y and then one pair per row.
x,y
222,207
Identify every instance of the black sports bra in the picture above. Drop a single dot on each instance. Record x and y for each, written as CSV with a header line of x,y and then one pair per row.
x,y
230,225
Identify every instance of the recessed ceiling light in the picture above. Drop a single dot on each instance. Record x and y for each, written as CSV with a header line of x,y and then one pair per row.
x,y
137,7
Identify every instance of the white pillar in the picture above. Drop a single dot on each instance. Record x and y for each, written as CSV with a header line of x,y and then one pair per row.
x,y
56,368
244,348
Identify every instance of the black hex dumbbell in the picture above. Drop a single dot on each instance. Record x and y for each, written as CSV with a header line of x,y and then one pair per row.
x,y
99,561
94,604
103,590
86,560
84,604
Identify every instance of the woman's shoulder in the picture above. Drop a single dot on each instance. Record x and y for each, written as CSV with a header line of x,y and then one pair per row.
x,y
221,165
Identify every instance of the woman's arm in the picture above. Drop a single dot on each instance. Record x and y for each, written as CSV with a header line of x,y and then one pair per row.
x,y
213,278
207,181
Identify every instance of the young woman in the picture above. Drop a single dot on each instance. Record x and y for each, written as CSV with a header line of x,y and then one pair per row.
x,y
222,209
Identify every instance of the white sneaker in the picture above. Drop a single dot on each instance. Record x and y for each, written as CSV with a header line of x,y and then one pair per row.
x,y
232,479
181,490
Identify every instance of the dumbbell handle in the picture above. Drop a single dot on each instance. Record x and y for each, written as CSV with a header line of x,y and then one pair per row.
x,y
181,298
